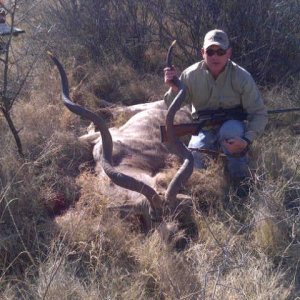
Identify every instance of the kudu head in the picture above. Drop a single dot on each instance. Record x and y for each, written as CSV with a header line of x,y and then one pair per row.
x,y
156,205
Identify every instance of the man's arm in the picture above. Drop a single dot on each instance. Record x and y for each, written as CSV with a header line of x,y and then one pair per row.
x,y
257,116
172,92
254,107
169,74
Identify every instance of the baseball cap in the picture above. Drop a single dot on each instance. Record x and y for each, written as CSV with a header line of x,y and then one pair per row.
x,y
216,37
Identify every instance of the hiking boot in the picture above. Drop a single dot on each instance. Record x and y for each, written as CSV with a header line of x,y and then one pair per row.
x,y
241,186
200,161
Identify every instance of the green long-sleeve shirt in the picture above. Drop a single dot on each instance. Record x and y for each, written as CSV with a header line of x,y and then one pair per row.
x,y
233,87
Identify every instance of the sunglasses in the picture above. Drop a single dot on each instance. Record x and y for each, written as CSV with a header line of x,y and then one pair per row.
x,y
219,52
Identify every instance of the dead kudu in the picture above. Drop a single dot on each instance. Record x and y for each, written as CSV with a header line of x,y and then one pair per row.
x,y
135,149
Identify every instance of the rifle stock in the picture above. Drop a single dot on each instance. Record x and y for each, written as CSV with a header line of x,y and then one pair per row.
x,y
180,130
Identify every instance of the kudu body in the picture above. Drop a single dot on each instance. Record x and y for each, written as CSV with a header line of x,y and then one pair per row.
x,y
132,156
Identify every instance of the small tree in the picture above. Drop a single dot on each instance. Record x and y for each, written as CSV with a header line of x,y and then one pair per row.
x,y
12,79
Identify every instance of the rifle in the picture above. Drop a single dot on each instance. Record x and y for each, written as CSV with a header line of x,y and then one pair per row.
x,y
213,118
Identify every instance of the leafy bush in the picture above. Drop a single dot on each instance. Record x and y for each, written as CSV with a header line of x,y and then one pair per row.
x,y
264,34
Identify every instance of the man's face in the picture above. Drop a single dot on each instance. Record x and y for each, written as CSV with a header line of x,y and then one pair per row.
x,y
215,63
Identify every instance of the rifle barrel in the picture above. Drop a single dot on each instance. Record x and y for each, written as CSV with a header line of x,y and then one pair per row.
x,y
213,116
278,111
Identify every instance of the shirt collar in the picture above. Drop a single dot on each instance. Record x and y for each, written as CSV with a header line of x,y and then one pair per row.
x,y
222,76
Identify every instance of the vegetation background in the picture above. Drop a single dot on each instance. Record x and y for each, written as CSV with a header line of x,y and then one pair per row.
x,y
57,240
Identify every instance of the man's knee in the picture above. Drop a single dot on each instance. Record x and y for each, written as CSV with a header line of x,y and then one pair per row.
x,y
231,129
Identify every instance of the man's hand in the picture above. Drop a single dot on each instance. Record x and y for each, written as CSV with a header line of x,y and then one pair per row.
x,y
235,146
169,74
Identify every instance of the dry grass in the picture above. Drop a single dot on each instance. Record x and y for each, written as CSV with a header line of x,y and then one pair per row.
x,y
208,187
245,252
115,83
